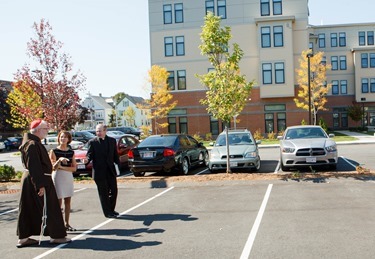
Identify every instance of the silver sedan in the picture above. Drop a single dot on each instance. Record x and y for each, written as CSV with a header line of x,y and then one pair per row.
x,y
307,145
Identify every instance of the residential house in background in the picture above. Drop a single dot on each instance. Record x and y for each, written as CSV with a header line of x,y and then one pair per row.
x,y
100,108
272,34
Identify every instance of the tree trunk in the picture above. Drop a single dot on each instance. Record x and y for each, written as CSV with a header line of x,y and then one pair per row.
x,y
227,146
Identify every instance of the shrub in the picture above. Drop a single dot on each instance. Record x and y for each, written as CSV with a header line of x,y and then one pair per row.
x,y
271,135
258,135
303,122
198,137
7,173
209,136
323,124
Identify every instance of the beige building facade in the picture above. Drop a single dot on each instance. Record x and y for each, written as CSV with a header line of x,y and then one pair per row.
x,y
272,34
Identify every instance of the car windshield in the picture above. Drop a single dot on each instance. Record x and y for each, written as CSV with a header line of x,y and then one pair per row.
x,y
235,139
299,133
164,141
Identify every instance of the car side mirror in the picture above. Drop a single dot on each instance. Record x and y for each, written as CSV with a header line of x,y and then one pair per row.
x,y
279,137
212,144
331,135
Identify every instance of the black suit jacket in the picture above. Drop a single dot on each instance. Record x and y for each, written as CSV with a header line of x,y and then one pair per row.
x,y
103,159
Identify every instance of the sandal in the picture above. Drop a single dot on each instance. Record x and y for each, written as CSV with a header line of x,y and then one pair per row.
x,y
28,242
70,228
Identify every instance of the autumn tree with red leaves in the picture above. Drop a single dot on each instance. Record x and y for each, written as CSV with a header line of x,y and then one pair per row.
x,y
52,79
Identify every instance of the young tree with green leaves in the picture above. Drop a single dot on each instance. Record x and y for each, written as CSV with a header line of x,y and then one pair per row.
x,y
52,78
227,90
317,83
160,103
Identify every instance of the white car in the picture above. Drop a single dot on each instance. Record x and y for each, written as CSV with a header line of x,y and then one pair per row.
x,y
51,143
2,146
307,145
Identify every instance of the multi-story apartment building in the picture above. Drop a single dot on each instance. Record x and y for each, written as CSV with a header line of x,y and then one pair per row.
x,y
272,34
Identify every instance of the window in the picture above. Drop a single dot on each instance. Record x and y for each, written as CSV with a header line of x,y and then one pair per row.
x,y
364,85
372,85
372,59
278,36
222,9
311,45
342,62
335,87
269,122
342,39
170,80
324,60
178,13
214,126
168,46
267,73
277,7
180,46
344,86
322,40
364,60
264,7
172,125
281,121
279,73
334,63
210,7
266,37
333,39
183,125
167,13
181,79
361,38
370,38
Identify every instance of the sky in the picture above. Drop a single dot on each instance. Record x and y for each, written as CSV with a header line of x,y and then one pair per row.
x,y
108,40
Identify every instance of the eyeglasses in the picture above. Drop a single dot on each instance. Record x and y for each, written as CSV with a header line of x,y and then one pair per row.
x,y
44,128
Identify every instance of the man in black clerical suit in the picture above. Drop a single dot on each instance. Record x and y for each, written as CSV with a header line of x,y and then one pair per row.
x,y
103,153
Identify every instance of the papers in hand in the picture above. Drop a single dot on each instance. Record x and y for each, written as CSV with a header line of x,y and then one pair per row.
x,y
117,169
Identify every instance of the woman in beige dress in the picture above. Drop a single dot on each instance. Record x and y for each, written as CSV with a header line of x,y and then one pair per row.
x,y
64,164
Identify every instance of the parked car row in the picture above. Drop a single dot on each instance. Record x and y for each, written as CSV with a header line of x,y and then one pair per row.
x,y
10,143
299,146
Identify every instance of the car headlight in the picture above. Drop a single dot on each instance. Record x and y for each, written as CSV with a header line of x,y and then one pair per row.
x,y
288,150
250,154
331,148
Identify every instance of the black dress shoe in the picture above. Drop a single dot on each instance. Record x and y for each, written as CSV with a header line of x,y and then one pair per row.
x,y
111,215
115,213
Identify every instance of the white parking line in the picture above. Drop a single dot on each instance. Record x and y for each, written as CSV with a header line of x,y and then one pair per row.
x,y
103,223
346,160
201,172
13,210
277,167
250,240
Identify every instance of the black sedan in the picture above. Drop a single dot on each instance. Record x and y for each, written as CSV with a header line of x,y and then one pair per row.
x,y
166,153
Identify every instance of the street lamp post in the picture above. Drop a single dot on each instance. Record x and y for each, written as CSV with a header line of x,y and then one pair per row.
x,y
309,55
363,100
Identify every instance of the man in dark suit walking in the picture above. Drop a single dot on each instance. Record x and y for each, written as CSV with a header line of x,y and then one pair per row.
x,y
103,153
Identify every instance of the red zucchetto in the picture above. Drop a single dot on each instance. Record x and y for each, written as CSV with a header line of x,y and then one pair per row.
x,y
35,123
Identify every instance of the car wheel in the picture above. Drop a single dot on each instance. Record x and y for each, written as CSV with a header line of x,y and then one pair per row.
x,y
258,166
138,174
203,159
185,166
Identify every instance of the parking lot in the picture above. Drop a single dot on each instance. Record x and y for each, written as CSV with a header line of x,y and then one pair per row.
x,y
329,218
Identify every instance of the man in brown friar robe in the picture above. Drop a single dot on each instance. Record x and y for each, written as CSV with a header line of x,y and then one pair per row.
x,y
37,182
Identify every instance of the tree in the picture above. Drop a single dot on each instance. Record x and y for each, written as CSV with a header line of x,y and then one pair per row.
x,y
160,102
355,112
53,80
317,83
25,105
228,90
129,115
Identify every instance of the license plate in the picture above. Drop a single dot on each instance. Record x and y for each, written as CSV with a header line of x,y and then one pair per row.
x,y
148,154
233,164
81,166
310,159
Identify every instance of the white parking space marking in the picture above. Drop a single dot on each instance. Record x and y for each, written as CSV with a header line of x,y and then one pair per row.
x,y
104,223
250,240
201,172
13,210
277,167
346,160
